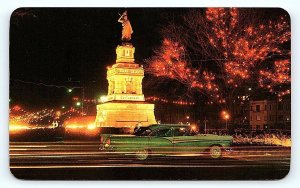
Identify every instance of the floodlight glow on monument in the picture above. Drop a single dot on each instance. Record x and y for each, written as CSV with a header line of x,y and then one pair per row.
x,y
124,105
103,99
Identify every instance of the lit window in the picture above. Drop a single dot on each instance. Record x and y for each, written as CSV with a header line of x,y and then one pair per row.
x,y
258,118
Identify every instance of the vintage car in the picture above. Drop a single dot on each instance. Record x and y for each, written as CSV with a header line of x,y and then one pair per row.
x,y
166,140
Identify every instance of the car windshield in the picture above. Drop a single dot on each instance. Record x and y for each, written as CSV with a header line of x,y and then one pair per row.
x,y
184,131
161,133
177,131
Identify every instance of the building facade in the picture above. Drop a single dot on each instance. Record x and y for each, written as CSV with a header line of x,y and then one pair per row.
x,y
270,114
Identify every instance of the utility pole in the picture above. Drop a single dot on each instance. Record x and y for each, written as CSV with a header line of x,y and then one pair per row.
x,y
82,111
205,121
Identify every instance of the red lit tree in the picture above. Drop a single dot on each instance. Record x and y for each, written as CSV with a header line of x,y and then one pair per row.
x,y
220,51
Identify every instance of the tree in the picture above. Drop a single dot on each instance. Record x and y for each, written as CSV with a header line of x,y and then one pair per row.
x,y
220,51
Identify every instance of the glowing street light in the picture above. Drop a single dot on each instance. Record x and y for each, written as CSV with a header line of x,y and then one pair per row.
x,y
225,116
78,103
187,120
70,90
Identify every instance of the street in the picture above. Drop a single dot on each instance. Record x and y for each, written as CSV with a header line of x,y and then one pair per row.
x,y
83,160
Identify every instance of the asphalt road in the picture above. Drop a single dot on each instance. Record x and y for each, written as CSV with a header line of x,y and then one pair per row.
x,y
83,160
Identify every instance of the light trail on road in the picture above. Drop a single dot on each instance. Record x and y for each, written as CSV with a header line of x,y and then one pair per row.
x,y
83,155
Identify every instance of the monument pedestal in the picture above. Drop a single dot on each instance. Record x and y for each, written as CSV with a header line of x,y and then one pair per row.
x,y
125,114
125,106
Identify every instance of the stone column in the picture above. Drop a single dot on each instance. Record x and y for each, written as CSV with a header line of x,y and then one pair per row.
x,y
124,86
117,87
134,81
112,87
109,87
139,86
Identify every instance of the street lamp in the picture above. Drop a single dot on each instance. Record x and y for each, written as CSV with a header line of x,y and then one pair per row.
x,y
205,122
187,120
226,119
225,116
70,90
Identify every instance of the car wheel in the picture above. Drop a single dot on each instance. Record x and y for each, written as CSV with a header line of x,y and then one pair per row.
x,y
215,152
142,154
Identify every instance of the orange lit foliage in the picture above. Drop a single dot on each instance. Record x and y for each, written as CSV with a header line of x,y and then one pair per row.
x,y
280,74
171,63
236,41
244,46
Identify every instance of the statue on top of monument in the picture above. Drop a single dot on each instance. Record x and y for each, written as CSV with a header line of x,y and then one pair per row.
x,y
127,29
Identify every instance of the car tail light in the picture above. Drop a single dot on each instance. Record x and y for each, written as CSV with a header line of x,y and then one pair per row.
x,y
108,141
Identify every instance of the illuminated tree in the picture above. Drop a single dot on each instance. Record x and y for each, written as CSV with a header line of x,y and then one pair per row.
x,y
170,62
219,51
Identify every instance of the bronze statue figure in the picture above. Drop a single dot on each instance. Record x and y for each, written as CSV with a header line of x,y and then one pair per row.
x,y
127,29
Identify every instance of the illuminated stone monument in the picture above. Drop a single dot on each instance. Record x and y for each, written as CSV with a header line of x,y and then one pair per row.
x,y
124,105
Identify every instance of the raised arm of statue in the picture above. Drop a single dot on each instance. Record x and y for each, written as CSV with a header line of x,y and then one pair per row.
x,y
120,20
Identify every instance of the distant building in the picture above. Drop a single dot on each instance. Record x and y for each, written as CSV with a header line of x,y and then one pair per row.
x,y
284,114
270,114
240,112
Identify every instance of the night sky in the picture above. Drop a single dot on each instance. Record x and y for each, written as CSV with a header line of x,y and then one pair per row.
x,y
61,46
73,46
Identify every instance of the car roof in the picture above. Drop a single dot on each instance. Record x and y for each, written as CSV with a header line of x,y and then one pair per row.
x,y
164,126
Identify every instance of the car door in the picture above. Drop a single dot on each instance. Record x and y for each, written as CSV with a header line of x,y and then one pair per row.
x,y
183,143
159,144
